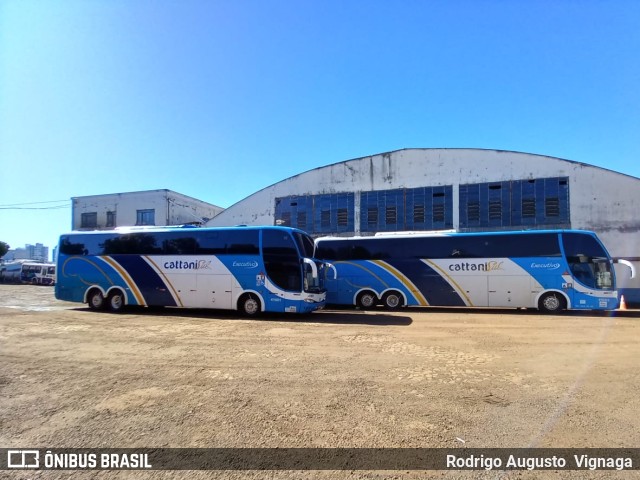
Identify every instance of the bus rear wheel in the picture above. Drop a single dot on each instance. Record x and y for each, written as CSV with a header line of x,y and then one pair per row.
x,y
95,300
366,300
551,302
116,301
249,305
392,300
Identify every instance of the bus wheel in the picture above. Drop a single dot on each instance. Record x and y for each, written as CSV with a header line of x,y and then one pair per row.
x,y
249,305
116,301
392,300
551,303
366,300
96,300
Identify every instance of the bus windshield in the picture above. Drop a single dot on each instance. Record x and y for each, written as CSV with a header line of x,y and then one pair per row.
x,y
313,271
588,261
305,244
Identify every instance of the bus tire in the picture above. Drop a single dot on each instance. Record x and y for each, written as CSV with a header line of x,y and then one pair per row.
x,y
95,299
249,305
116,301
552,302
392,300
366,300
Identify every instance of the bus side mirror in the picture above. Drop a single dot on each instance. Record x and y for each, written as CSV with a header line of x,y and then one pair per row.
x,y
628,264
312,264
331,266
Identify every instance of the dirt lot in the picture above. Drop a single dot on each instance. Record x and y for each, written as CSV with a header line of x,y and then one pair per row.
x,y
70,377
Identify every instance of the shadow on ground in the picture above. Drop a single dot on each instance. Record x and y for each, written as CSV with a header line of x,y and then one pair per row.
x,y
351,316
343,316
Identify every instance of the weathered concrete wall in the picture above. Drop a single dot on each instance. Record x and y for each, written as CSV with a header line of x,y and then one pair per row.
x,y
184,209
170,208
601,199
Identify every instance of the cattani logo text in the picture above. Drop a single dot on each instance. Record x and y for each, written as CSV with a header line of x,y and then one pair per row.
x,y
185,265
490,266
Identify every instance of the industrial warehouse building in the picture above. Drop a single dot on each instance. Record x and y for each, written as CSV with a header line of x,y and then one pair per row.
x,y
466,190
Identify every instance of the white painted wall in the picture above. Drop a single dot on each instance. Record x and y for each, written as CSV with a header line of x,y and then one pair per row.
x,y
171,208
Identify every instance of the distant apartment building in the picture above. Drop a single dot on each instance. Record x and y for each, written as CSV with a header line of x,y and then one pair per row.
x,y
37,253
152,207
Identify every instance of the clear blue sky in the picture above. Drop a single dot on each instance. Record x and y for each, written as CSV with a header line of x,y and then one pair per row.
x,y
218,99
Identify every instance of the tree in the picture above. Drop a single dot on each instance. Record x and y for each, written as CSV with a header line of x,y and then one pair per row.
x,y
4,248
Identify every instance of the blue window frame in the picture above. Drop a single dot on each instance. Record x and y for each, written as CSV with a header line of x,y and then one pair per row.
x,y
423,208
530,203
389,206
321,214
429,208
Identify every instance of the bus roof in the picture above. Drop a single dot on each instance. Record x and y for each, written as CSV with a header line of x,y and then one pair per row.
x,y
178,228
449,233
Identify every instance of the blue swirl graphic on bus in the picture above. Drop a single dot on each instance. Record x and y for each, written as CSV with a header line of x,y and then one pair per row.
x,y
87,271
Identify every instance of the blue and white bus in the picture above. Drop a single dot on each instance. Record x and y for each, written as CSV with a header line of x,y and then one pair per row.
x,y
38,273
547,270
250,269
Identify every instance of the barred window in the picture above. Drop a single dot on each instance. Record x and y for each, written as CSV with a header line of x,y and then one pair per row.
x,y
495,210
528,207
343,217
552,207
438,213
372,216
473,211
391,216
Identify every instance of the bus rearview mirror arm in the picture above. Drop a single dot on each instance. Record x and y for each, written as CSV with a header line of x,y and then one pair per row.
x,y
312,264
628,264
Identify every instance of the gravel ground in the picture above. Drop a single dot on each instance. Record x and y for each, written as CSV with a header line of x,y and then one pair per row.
x,y
70,377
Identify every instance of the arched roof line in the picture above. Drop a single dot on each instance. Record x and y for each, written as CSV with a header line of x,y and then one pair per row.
x,y
425,149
